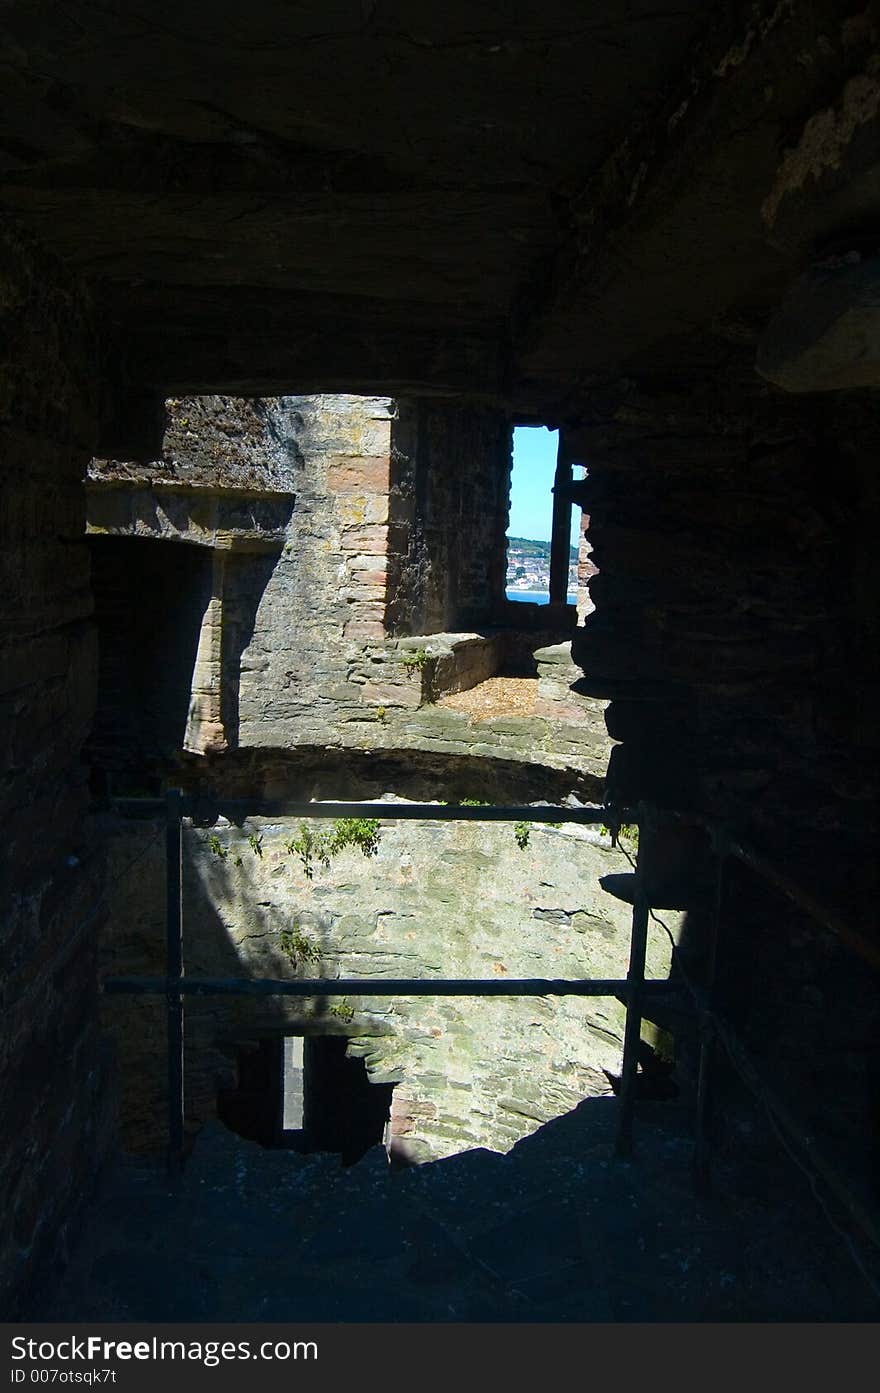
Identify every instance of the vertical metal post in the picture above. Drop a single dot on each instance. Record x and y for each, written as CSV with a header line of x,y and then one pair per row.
x,y
174,972
635,978
707,1042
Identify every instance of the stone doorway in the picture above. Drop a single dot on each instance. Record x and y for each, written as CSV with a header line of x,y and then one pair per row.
x,y
253,1107
150,603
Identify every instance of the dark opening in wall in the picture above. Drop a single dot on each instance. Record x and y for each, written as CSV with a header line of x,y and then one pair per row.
x,y
150,599
342,1110
253,1108
305,1094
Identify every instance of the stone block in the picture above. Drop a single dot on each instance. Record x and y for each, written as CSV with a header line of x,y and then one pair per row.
x,y
366,609
362,592
391,693
371,562
364,475
554,656
357,509
556,710
371,539
376,578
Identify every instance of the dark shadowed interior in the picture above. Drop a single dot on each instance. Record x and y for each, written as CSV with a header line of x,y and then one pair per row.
x,y
655,229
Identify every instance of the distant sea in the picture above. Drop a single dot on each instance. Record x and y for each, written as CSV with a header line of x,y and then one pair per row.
x,y
536,597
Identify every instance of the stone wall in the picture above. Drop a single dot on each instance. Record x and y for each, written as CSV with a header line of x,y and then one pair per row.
x,y
734,530
219,441
291,497
173,621
448,521
460,900
328,519
406,536
729,529
325,595
54,1113
390,703
586,569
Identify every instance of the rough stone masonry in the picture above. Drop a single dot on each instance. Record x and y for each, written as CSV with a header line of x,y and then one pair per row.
x,y
436,900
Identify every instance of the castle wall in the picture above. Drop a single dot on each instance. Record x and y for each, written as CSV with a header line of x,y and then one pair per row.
x,y
54,1117
734,531
447,537
351,538
454,900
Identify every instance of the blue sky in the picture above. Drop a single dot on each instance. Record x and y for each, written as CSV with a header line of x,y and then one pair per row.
x,y
531,502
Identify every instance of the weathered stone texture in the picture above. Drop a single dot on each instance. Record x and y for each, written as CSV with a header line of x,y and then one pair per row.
x,y
220,517
405,538
303,480
54,1113
448,517
389,703
323,595
613,262
460,900
381,517
221,441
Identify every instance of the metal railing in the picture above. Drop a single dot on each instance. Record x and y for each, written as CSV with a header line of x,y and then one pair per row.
x,y
176,986
633,990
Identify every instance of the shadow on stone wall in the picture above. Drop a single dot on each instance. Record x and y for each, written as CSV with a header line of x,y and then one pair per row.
x,y
246,579
464,900
317,772
152,602
150,599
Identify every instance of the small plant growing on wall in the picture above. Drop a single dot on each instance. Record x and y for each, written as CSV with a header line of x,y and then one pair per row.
x,y
216,847
522,831
310,847
255,842
299,948
343,1011
421,661
626,836
414,659
317,848
359,832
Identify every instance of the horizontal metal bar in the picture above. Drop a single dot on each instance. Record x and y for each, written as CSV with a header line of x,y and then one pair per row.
x,y
373,986
240,808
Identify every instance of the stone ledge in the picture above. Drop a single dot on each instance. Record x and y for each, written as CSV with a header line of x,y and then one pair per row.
x,y
224,519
